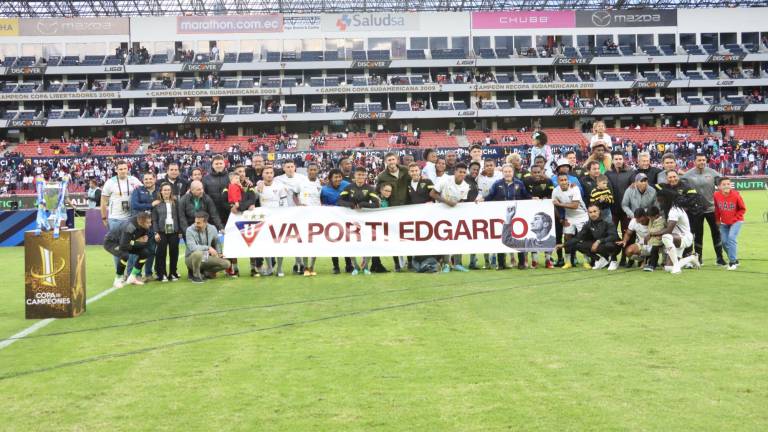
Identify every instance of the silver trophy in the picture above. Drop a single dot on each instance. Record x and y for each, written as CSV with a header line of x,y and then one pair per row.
x,y
51,198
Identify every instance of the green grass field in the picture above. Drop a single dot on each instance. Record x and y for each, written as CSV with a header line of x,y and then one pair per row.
x,y
542,349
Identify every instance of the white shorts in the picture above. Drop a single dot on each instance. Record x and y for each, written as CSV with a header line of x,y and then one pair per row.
x,y
573,227
685,243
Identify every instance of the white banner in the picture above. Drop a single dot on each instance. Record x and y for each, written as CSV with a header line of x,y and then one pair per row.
x,y
422,229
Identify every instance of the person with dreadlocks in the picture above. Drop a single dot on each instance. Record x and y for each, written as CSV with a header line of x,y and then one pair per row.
x,y
676,236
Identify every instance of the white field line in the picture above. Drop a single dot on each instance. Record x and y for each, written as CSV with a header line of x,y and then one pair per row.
x,y
40,324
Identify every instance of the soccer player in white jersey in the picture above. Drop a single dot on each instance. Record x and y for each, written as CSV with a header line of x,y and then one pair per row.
x,y
485,180
451,190
292,182
638,227
309,195
676,236
272,194
568,196
116,200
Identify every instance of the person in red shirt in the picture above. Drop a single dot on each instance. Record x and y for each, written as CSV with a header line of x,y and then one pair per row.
x,y
729,215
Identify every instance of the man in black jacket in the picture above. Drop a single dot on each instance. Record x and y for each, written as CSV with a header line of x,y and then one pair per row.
x,y
215,185
620,178
418,187
196,200
356,196
597,240
173,177
128,241
644,166
254,171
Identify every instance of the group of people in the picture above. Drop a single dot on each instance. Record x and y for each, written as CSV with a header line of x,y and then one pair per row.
x,y
661,211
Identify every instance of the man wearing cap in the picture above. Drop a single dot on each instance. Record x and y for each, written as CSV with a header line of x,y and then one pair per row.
x,y
639,195
564,167
576,170
599,154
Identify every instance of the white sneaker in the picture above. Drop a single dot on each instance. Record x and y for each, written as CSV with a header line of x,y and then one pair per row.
x,y
601,263
134,280
696,263
281,274
613,266
118,283
732,267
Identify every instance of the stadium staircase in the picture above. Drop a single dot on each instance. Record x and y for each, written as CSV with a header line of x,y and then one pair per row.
x,y
462,140
303,144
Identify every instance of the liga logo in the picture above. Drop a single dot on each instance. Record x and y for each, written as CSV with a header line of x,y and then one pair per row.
x,y
249,229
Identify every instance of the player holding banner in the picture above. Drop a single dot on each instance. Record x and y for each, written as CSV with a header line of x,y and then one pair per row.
x,y
309,195
272,194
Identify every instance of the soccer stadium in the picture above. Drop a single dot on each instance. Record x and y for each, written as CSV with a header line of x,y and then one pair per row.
x,y
525,215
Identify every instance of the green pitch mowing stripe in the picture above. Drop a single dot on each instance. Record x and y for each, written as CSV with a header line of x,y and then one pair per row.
x,y
287,325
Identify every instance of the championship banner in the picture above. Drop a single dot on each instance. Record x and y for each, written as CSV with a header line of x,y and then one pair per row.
x,y
422,229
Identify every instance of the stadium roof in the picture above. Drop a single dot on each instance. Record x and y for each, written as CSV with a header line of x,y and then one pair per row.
x,y
70,8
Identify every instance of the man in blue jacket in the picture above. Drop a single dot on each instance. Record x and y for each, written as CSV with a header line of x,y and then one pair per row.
x,y
142,200
508,188
329,195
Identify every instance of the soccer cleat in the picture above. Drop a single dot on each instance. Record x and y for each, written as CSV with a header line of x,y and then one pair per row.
x,y
446,268
648,269
676,270
173,277
134,280
549,264
307,273
586,265
534,264
118,283
460,268
197,280
280,274
566,265
354,272
521,265
560,262
614,265
732,267
668,268
161,278
366,272
601,263
254,272
721,263
336,271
